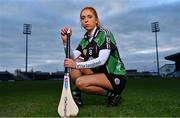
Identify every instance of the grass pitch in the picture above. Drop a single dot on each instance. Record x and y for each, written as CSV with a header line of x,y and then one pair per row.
x,y
143,97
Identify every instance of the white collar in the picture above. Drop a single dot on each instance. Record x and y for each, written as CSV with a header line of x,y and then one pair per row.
x,y
92,33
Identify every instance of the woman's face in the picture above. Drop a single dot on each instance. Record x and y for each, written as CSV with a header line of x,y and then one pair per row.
x,y
88,20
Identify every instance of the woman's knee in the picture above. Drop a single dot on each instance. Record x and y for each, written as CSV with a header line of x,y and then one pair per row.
x,y
80,83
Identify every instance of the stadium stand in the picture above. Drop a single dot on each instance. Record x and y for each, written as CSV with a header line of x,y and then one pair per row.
x,y
176,58
6,76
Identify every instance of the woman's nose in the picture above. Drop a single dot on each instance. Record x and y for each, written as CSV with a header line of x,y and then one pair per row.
x,y
86,20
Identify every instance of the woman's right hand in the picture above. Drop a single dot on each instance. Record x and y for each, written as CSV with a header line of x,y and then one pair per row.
x,y
64,34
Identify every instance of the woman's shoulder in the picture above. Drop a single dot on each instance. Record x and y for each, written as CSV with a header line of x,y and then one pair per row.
x,y
105,31
108,34
83,41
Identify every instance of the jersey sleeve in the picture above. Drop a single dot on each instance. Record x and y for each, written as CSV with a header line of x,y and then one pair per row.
x,y
99,61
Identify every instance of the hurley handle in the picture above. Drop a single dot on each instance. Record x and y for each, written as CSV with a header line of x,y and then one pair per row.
x,y
67,70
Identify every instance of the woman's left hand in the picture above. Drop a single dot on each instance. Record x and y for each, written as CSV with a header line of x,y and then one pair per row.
x,y
69,63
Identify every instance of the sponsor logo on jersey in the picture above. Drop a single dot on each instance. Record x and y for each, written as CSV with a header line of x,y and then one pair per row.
x,y
117,81
91,50
84,51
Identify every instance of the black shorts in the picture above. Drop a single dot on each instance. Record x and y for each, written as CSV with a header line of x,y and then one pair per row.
x,y
118,82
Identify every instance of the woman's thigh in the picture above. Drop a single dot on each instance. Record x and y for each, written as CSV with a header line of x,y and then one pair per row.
x,y
98,79
75,73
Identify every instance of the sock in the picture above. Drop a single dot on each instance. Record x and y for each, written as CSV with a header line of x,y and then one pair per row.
x,y
108,93
76,92
111,93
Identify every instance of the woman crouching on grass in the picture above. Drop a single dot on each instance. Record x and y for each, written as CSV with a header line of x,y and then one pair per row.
x,y
96,66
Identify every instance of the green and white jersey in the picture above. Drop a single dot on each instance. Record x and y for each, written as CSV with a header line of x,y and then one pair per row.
x,y
93,48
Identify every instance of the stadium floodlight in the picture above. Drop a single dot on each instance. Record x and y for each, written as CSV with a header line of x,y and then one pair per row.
x,y
27,31
155,28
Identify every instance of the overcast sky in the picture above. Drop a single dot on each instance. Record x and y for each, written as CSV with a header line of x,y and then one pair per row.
x,y
129,21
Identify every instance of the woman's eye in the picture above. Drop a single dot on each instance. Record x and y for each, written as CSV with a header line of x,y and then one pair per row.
x,y
89,16
82,18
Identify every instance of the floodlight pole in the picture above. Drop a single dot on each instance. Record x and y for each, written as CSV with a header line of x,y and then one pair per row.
x,y
27,31
155,29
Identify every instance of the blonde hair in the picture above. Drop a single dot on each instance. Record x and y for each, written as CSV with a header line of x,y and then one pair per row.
x,y
94,12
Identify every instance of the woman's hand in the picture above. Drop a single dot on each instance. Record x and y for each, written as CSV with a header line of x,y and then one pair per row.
x,y
69,63
63,33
